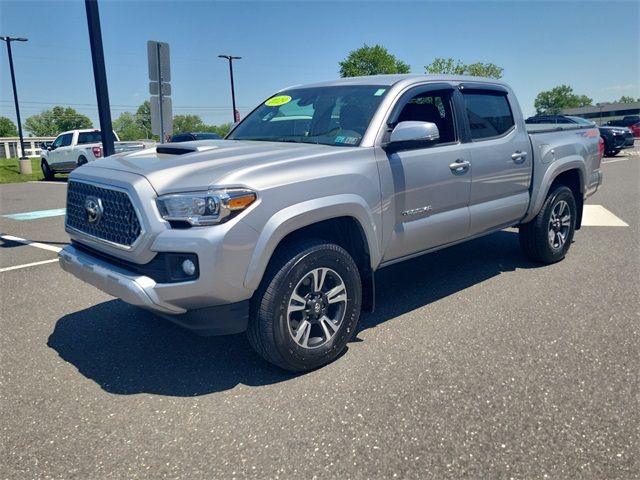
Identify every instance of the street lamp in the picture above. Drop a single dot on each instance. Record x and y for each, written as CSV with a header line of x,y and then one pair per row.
x,y
233,95
25,163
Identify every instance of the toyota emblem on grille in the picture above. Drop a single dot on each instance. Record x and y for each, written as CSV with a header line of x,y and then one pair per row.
x,y
94,209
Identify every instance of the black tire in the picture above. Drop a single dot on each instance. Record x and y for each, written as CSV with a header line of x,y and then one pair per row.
x,y
535,236
272,327
46,170
613,153
82,160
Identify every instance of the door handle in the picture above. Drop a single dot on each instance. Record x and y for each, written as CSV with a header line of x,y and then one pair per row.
x,y
519,156
459,166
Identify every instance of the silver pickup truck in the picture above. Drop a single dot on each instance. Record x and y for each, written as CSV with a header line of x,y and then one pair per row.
x,y
279,228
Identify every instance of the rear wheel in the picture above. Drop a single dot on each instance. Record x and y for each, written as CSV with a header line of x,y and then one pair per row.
x,y
548,236
46,170
307,306
82,160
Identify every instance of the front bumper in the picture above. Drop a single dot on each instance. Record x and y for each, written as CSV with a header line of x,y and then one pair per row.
x,y
141,291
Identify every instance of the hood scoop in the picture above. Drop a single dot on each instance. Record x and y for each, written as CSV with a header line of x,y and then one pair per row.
x,y
183,149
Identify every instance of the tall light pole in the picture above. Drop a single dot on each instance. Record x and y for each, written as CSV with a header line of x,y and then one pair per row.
x,y
233,94
25,163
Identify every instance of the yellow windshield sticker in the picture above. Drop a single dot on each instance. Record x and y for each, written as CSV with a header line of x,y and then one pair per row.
x,y
277,101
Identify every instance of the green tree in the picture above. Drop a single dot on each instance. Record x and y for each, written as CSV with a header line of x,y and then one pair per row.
x,y
59,119
449,66
221,130
188,123
627,99
552,102
42,125
127,127
7,128
143,118
371,61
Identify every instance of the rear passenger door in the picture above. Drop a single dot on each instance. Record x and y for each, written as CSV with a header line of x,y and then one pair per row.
x,y
500,159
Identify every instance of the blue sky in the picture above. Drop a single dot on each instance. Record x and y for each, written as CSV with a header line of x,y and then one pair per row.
x,y
594,46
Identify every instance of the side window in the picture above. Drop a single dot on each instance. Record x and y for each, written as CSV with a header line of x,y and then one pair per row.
x,y
435,107
489,114
57,142
66,139
89,137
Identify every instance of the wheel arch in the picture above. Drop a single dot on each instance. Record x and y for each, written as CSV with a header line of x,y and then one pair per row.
x,y
347,224
570,172
574,181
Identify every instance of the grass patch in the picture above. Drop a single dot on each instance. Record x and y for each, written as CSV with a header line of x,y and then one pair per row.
x,y
10,171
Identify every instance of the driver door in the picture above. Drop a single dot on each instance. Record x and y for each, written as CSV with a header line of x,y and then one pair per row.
x,y
432,185
54,156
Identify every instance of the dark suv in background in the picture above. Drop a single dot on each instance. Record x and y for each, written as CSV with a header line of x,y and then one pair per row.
x,y
190,136
632,122
615,138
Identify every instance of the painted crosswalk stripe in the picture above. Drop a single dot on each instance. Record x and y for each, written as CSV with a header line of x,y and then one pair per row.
x,y
598,216
43,246
34,264
56,212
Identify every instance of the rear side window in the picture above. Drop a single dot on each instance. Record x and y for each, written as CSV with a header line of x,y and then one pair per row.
x,y
89,137
489,114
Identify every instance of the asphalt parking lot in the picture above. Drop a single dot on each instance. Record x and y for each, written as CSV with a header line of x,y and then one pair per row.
x,y
476,364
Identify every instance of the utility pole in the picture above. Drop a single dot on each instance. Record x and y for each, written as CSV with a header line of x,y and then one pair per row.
x,y
25,163
233,94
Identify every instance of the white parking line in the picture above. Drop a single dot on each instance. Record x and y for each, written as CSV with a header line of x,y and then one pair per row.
x,y
598,216
24,241
17,267
616,161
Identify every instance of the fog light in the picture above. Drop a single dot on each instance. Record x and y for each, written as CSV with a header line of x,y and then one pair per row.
x,y
188,267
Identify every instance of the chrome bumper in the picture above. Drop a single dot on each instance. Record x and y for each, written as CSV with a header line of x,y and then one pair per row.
x,y
134,289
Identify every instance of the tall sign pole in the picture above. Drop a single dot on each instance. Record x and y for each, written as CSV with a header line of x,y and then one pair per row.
x,y
160,88
25,163
231,58
100,76
160,92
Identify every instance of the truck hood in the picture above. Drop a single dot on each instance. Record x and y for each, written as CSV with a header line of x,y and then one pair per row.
x,y
194,166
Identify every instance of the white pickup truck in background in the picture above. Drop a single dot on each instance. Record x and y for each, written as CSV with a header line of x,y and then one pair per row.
x,y
75,148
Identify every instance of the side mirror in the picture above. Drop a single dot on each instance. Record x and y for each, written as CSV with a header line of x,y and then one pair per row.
x,y
50,147
412,135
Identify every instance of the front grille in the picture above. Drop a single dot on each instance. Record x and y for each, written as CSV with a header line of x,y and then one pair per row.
x,y
118,224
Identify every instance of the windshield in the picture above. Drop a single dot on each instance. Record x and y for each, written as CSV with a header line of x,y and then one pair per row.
x,y
323,115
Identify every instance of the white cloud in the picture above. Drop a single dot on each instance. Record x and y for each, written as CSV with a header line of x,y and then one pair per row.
x,y
622,88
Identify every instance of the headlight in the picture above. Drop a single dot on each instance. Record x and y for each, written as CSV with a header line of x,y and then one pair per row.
x,y
206,208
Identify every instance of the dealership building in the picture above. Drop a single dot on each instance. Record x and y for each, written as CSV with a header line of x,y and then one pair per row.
x,y
603,112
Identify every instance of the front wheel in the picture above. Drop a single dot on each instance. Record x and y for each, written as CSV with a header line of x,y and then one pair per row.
x,y
47,173
548,236
307,306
